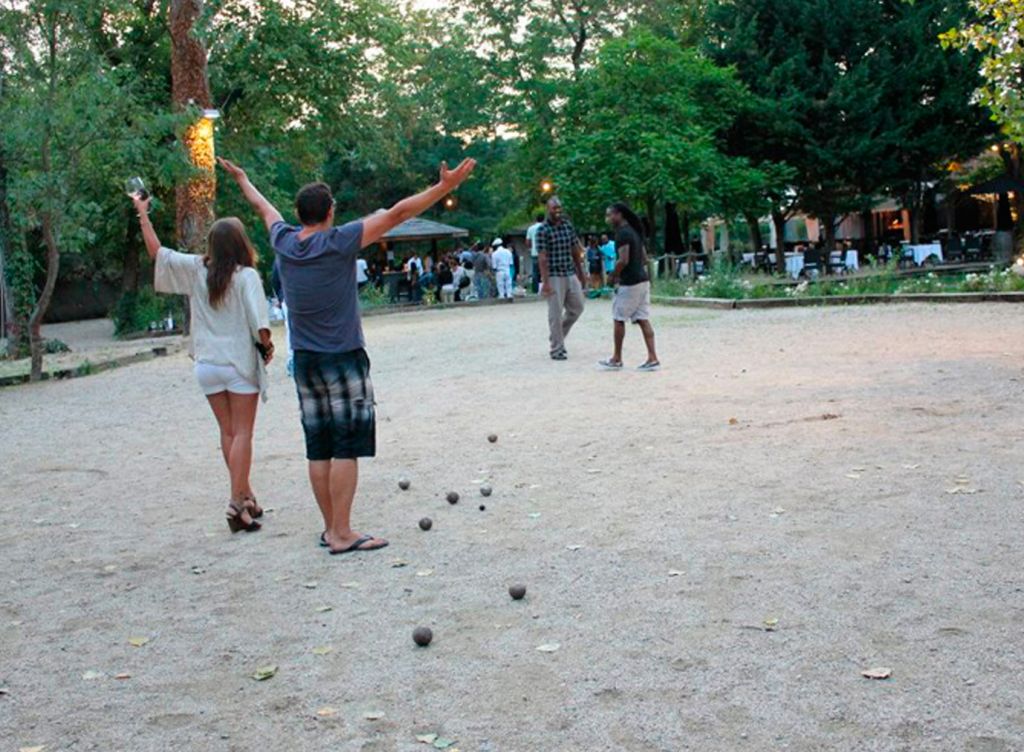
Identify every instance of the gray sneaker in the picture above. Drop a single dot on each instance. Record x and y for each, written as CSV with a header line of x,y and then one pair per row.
x,y
560,355
649,366
610,365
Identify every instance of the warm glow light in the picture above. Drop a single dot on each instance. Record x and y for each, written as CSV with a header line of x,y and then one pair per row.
x,y
450,202
198,141
546,186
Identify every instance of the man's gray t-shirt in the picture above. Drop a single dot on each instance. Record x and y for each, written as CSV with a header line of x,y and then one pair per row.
x,y
318,276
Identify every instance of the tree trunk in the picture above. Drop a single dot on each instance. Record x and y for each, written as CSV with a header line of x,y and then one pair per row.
x,y
830,236
129,258
779,220
6,238
867,221
35,322
754,226
50,240
190,88
652,224
1011,154
914,214
688,246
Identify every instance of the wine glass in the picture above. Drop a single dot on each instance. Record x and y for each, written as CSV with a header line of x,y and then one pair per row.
x,y
136,188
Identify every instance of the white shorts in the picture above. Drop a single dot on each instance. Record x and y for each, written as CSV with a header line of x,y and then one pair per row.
x,y
632,303
214,379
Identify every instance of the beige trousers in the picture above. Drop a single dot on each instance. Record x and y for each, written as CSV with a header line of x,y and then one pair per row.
x,y
565,305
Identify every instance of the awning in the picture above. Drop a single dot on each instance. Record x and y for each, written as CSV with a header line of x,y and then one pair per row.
x,y
996,186
419,229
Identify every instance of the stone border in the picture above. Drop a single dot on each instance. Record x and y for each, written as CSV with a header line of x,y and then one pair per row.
x,y
88,368
841,300
418,307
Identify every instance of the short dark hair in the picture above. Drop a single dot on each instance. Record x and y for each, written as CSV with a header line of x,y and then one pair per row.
x,y
313,203
540,217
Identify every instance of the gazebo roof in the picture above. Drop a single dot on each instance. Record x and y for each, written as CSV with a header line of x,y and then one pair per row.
x,y
997,185
423,229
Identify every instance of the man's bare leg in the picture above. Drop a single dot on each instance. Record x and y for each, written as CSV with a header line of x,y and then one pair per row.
x,y
648,332
619,337
344,478
320,480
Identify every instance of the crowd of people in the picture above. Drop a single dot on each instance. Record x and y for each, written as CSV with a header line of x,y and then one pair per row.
x,y
480,271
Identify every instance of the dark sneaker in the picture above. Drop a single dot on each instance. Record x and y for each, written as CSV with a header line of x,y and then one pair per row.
x,y
649,366
560,355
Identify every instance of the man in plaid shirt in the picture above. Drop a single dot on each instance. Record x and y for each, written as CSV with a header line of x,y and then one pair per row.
x,y
560,255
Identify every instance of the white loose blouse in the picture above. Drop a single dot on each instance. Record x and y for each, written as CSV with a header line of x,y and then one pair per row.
x,y
226,335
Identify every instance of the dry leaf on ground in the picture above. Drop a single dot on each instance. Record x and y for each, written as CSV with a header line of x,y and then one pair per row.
x,y
264,672
878,672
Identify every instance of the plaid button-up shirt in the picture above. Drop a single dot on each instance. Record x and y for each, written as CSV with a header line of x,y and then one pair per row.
x,y
558,242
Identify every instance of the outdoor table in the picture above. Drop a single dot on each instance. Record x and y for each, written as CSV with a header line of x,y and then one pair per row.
x,y
794,262
850,262
922,252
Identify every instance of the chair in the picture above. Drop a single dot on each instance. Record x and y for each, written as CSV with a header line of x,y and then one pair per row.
x,y
972,248
837,262
954,248
812,263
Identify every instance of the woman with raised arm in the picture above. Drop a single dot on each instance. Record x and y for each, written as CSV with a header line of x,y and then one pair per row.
x,y
230,340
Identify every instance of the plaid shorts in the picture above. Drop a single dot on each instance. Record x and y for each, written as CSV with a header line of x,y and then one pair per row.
x,y
336,401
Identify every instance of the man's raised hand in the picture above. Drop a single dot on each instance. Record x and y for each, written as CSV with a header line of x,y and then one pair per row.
x,y
232,169
452,179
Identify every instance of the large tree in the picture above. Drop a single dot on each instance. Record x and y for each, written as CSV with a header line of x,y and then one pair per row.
x,y
858,98
646,124
996,31
63,114
190,91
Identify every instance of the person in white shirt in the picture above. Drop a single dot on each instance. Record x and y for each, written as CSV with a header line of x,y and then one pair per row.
x,y
502,263
414,263
230,341
531,241
361,276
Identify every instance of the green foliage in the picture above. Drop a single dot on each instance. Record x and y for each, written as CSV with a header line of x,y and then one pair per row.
x,y
996,31
137,309
728,283
373,297
858,98
645,125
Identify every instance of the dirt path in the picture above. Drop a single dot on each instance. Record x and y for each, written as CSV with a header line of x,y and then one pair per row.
x,y
850,478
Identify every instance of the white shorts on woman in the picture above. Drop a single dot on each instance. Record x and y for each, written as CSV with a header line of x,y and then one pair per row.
x,y
214,379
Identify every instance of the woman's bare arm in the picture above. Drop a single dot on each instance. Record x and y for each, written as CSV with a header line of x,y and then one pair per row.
x,y
148,233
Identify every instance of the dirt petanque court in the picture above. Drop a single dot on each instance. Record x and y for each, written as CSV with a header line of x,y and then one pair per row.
x,y
714,554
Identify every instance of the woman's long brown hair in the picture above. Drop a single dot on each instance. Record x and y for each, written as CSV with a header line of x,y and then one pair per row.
x,y
229,248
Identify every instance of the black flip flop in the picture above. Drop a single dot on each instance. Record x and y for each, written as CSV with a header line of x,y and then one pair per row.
x,y
356,546
323,540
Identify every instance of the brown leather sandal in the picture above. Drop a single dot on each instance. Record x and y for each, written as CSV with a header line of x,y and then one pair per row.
x,y
237,523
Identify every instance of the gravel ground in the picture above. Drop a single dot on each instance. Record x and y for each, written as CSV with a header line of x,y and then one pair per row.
x,y
718,550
